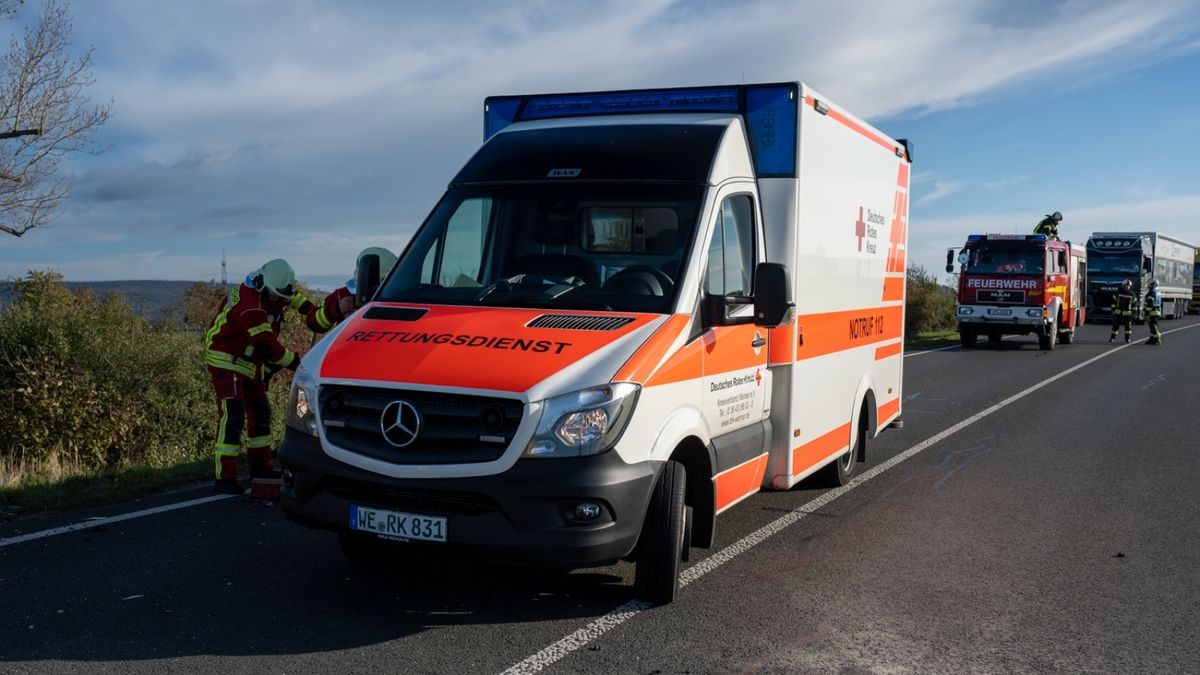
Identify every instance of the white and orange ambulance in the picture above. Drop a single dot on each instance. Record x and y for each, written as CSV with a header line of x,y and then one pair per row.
x,y
630,311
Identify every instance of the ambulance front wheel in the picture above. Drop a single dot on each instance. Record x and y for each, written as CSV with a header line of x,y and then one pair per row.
x,y
660,546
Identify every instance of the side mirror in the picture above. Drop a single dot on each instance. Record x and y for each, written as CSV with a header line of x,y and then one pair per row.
x,y
1146,264
949,260
367,281
772,294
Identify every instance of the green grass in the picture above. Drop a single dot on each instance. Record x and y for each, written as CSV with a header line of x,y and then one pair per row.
x,y
40,495
932,339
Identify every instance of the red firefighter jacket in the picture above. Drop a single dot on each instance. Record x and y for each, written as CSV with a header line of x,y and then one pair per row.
x,y
244,335
328,313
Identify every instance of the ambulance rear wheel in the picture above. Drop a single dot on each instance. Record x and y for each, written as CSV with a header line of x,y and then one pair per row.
x,y
966,337
660,546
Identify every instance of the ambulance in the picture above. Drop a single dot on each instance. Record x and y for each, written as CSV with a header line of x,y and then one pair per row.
x,y
630,311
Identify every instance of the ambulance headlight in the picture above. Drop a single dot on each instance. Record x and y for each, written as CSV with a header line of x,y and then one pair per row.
x,y
302,402
585,422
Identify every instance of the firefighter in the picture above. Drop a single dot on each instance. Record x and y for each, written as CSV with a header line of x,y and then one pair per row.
x,y
242,350
1049,225
341,303
1153,305
1123,305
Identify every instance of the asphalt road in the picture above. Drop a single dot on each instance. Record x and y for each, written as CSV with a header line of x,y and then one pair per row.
x,y
1007,527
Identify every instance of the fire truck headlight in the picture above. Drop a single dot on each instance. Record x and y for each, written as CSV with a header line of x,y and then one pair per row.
x,y
301,408
585,422
1033,312
966,311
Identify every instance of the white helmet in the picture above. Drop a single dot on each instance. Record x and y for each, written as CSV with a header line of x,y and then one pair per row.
x,y
276,277
387,259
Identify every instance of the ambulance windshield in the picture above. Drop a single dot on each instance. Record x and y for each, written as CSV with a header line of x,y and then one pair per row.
x,y
598,246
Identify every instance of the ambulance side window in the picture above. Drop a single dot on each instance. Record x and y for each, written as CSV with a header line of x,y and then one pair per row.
x,y
731,253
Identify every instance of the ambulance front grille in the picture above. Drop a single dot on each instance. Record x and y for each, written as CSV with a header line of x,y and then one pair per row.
x,y
576,322
453,428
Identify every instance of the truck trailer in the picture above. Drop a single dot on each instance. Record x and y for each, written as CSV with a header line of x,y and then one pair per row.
x,y
1139,257
629,311
1017,284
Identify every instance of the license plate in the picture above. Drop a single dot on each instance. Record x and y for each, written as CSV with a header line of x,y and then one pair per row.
x,y
1000,312
397,524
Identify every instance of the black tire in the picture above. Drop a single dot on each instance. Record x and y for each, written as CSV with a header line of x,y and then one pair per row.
x,y
660,546
361,548
1066,337
1049,338
966,337
839,472
994,337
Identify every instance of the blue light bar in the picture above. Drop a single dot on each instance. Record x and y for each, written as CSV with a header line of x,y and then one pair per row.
x,y
770,111
771,117
614,103
499,112
974,237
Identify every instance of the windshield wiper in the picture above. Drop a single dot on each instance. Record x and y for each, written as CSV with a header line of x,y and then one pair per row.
x,y
556,303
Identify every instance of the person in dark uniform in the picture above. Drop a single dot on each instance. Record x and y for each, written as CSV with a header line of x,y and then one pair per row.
x,y
1153,305
1122,310
1049,225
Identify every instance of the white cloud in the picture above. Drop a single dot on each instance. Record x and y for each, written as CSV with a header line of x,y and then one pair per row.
x,y
941,189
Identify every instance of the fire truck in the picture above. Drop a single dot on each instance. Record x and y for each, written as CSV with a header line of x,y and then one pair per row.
x,y
1017,284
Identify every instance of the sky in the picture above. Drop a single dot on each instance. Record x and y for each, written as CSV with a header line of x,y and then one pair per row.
x,y
308,130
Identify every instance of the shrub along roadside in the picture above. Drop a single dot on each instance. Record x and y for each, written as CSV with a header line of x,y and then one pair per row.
x,y
90,391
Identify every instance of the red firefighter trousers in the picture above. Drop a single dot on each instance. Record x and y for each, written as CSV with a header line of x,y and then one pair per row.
x,y
241,402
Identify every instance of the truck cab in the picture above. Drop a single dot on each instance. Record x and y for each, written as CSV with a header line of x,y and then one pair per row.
x,y
1017,285
1112,259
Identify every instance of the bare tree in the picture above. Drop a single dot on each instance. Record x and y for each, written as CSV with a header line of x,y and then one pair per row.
x,y
44,116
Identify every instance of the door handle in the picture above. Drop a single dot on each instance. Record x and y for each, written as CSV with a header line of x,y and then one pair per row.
x,y
758,342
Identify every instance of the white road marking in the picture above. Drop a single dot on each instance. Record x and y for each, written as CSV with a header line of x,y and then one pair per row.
x,y
930,351
97,522
596,629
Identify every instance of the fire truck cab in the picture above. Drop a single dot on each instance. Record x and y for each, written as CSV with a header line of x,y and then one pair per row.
x,y
1019,284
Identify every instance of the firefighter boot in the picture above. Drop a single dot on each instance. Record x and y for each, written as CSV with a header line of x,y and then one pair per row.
x,y
226,481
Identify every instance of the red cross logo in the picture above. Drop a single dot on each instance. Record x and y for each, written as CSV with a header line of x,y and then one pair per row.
x,y
860,228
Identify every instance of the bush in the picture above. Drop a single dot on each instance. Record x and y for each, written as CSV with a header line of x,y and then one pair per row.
x,y
87,385
929,306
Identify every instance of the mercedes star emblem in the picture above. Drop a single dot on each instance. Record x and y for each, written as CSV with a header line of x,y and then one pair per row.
x,y
400,423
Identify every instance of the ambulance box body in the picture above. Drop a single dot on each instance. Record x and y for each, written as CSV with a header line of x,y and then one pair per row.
x,y
630,311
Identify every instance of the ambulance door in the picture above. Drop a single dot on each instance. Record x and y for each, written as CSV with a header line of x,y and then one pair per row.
x,y
736,382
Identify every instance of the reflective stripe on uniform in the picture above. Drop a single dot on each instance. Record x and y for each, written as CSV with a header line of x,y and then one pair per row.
x,y
297,301
228,362
259,329
258,442
323,320
287,359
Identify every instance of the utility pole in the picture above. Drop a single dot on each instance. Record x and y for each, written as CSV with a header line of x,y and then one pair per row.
x,y
224,276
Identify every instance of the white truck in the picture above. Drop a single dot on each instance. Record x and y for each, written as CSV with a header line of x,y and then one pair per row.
x,y
1140,257
630,311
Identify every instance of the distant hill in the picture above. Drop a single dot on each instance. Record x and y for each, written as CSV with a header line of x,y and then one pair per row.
x,y
149,298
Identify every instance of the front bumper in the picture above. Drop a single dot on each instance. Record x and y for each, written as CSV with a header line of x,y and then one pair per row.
x,y
522,515
1005,320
